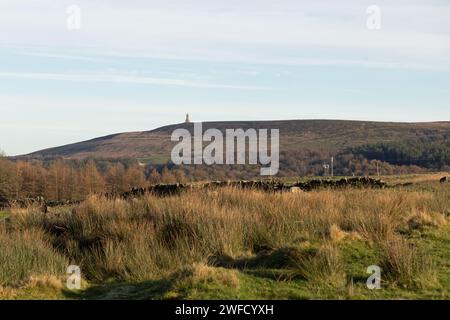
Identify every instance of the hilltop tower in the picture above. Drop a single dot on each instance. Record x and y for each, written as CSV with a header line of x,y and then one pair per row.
x,y
187,118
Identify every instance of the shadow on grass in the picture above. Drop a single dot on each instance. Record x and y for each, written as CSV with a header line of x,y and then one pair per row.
x,y
279,265
278,275
275,265
281,258
146,290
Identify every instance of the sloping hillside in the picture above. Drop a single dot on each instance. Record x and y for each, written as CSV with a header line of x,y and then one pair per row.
x,y
322,135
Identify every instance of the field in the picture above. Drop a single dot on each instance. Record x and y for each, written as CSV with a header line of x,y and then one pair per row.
x,y
235,244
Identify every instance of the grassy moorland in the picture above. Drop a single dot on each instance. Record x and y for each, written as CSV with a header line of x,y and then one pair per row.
x,y
294,134
234,244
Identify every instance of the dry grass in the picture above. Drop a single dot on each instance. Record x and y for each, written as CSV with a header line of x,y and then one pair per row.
x,y
325,266
23,254
154,237
405,264
422,219
7,293
44,281
337,234
416,178
200,273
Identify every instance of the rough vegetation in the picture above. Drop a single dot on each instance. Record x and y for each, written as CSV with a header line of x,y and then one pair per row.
x,y
234,243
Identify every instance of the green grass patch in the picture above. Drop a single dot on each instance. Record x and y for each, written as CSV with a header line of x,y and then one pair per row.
x,y
3,214
283,283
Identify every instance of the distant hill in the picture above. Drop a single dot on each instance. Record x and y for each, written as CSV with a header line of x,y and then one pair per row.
x,y
331,136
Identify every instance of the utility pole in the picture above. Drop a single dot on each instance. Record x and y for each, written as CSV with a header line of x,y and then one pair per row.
x,y
332,169
378,170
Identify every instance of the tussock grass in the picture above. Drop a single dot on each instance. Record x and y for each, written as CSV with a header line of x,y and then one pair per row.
x,y
200,273
45,281
423,219
23,254
322,266
405,264
151,237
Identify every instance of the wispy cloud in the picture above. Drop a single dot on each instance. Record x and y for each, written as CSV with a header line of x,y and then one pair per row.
x,y
384,62
62,56
118,57
126,79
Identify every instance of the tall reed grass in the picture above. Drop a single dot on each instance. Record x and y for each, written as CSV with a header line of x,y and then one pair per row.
x,y
152,237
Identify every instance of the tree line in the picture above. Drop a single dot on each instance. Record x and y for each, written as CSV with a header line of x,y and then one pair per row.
x,y
423,153
75,179
72,180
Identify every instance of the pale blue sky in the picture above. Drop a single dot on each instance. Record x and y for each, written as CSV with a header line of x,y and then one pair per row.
x,y
136,65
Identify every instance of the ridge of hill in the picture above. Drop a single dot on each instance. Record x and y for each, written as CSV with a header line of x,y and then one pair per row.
x,y
318,135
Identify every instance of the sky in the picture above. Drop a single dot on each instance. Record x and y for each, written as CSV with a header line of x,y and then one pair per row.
x,y
136,65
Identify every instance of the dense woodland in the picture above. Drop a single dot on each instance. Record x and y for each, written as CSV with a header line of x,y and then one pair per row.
x,y
424,153
74,180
